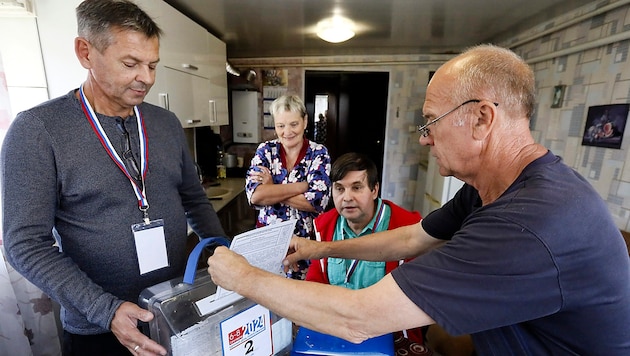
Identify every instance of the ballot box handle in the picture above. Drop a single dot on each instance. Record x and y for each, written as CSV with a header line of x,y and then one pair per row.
x,y
191,265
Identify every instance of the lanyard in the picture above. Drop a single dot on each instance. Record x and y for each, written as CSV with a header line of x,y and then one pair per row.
x,y
138,190
353,264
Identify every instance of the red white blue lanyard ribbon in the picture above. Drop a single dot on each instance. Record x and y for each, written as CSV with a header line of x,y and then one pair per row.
x,y
139,190
353,264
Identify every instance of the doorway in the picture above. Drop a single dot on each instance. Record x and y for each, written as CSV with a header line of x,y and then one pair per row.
x,y
356,112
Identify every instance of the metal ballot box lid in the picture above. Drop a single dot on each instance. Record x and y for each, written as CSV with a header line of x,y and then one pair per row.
x,y
189,321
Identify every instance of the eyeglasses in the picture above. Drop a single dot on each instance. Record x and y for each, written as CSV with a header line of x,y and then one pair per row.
x,y
424,130
127,154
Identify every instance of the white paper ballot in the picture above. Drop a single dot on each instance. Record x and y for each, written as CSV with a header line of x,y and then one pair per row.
x,y
264,248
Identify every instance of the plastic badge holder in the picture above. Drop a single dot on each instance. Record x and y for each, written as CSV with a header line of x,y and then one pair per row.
x,y
310,342
183,327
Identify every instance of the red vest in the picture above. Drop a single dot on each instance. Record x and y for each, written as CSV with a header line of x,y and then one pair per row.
x,y
324,226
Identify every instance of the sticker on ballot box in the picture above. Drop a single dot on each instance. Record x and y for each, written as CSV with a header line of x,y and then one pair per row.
x,y
247,333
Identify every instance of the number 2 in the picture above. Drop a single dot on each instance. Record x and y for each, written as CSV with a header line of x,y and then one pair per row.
x,y
249,347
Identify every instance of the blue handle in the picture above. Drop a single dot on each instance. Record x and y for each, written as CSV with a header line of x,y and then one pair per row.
x,y
191,265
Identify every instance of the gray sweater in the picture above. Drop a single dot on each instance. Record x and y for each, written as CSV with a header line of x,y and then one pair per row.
x,y
59,181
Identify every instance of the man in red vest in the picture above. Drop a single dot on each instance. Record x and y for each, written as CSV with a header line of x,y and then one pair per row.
x,y
359,211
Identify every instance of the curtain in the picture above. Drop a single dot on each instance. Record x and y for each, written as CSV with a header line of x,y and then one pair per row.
x,y
27,321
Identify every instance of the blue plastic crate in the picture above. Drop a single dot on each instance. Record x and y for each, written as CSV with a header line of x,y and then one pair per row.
x,y
309,342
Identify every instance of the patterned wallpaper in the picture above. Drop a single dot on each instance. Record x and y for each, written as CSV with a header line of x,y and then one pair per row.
x,y
586,50
597,73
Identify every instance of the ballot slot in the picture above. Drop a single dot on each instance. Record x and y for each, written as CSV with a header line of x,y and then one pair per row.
x,y
193,316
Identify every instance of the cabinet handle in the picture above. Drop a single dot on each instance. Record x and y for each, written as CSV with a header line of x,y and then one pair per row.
x,y
193,121
163,99
212,108
189,66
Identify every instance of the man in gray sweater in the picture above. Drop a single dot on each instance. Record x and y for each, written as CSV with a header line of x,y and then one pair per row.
x,y
108,178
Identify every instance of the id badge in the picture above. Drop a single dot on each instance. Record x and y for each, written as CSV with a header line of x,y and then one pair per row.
x,y
150,245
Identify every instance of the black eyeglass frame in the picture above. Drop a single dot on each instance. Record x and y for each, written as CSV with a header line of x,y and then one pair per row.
x,y
424,130
127,154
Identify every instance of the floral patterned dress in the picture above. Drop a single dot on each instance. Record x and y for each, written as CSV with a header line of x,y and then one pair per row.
x,y
312,166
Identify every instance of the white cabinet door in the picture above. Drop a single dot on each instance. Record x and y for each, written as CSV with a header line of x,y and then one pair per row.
x,y
186,97
191,80
218,82
158,91
184,43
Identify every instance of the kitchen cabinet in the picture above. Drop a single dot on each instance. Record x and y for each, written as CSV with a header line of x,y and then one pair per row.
x,y
233,211
191,79
218,81
237,216
230,202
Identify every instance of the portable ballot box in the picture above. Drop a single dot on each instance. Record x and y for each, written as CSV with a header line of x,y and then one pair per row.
x,y
190,320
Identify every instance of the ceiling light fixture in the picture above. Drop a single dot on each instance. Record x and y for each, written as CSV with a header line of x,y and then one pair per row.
x,y
335,29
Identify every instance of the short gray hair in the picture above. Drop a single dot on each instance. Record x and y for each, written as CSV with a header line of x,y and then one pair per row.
x,y
285,103
501,75
97,19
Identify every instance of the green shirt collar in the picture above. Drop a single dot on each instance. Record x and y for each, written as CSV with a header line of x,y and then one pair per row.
x,y
343,230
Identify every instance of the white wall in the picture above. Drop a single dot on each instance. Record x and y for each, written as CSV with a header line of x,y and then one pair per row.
x,y
22,81
22,59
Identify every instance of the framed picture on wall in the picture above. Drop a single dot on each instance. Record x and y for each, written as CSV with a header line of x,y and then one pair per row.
x,y
605,125
558,96
275,77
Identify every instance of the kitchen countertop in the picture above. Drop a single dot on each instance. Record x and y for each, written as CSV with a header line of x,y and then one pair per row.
x,y
234,187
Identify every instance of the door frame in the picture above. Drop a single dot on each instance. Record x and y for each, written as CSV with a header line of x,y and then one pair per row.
x,y
340,106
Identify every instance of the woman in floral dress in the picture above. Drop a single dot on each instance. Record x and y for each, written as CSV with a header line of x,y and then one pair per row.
x,y
289,176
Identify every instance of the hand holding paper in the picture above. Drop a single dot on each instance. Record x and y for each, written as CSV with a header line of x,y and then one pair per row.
x,y
264,248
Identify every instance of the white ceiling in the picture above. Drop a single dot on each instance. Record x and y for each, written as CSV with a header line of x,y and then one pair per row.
x,y
284,28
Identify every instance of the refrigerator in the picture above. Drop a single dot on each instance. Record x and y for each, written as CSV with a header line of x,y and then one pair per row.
x,y
438,190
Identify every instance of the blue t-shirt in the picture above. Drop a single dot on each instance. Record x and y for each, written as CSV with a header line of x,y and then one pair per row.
x,y
541,270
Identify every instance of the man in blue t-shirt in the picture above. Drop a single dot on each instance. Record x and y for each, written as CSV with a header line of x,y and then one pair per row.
x,y
526,257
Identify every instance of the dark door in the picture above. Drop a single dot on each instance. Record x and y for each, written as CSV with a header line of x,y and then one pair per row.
x,y
357,111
